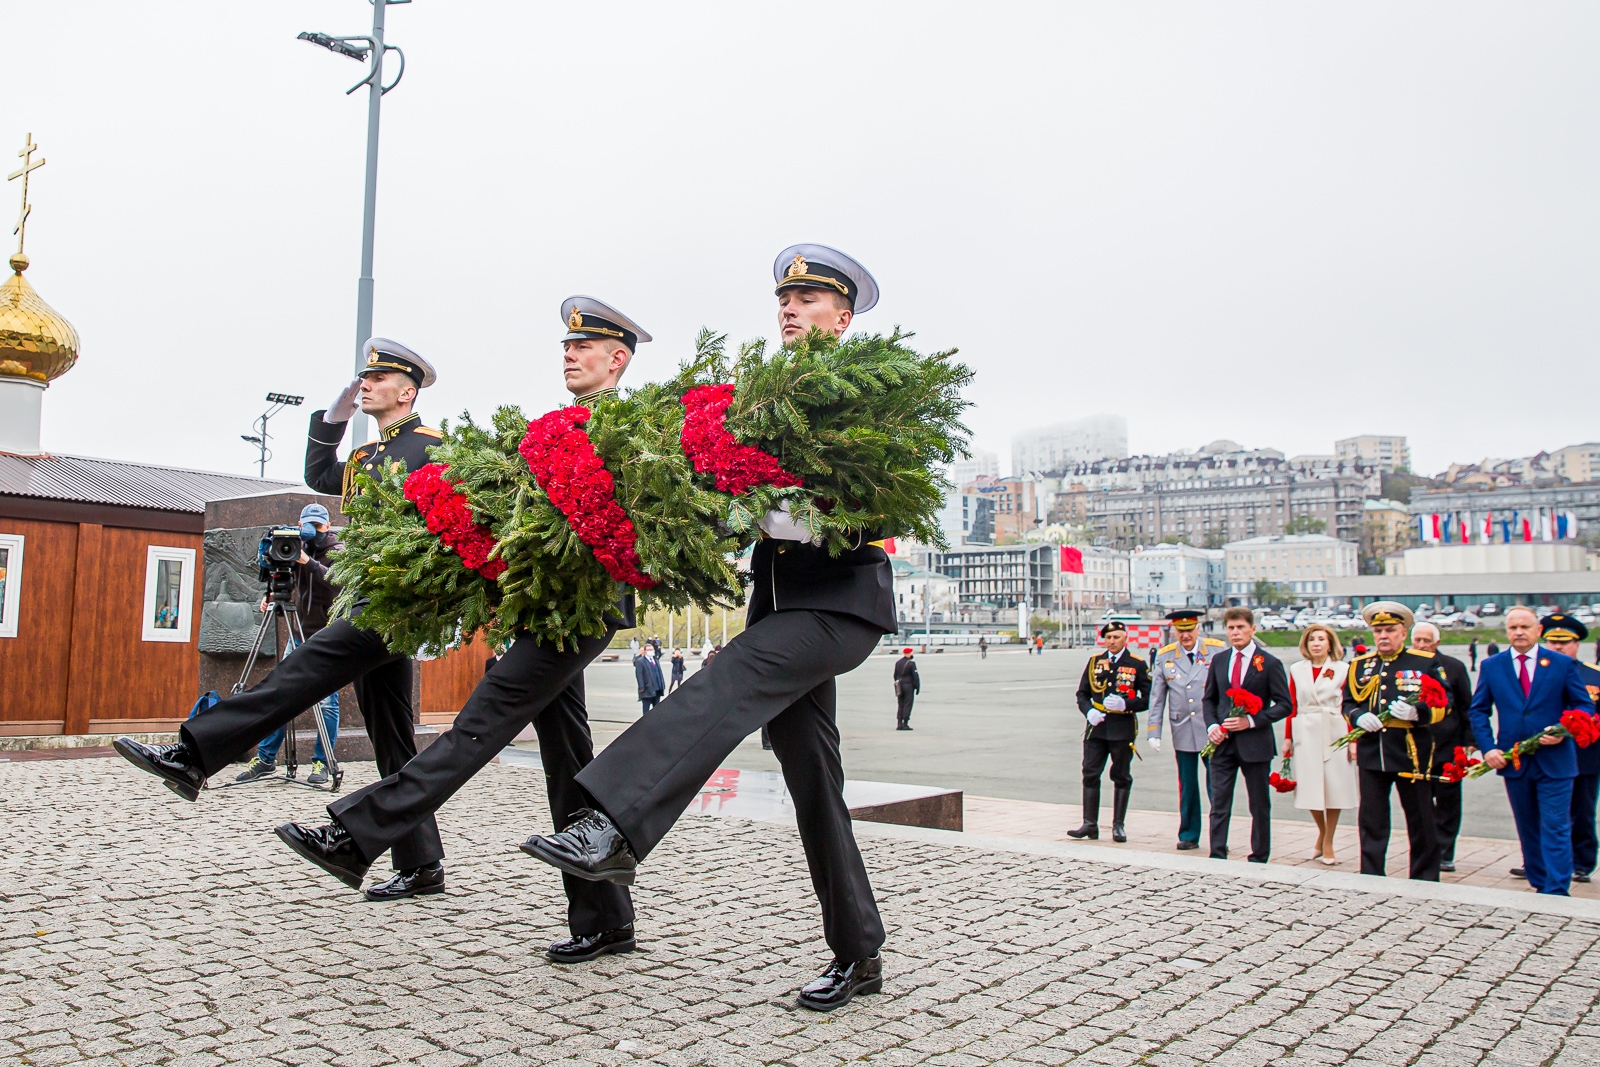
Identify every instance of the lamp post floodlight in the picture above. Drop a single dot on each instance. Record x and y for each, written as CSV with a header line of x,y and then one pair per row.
x,y
374,49
279,401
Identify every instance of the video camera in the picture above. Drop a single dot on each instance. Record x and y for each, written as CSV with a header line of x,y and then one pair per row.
x,y
276,556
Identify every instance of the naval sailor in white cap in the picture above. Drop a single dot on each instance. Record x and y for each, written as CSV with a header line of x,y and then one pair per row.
x,y
811,617
342,653
532,683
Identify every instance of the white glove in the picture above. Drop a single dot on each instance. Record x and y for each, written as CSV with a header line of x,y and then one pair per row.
x,y
1154,743
1403,711
780,526
1096,716
1369,722
344,405
1115,703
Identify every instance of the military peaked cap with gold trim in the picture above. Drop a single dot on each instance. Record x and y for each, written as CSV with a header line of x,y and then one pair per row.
x,y
386,355
821,267
1559,627
1387,613
588,318
1184,619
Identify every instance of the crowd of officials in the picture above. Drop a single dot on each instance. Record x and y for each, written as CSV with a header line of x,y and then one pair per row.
x,y
1417,720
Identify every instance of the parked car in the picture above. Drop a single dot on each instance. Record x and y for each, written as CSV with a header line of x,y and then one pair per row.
x,y
1446,620
1271,622
1469,620
1340,622
1490,608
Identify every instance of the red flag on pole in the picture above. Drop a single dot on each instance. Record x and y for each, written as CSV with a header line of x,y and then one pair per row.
x,y
1071,560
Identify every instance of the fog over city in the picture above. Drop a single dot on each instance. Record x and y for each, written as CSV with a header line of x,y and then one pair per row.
x,y
1278,224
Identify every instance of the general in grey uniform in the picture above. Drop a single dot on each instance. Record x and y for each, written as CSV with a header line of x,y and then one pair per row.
x,y
1178,681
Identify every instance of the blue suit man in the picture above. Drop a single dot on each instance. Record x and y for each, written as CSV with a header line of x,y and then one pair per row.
x,y
647,676
1530,687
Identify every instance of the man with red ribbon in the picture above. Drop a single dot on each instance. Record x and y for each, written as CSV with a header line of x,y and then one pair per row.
x,y
812,616
532,682
1247,690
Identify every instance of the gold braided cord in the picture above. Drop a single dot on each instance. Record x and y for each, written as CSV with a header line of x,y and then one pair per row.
x,y
814,279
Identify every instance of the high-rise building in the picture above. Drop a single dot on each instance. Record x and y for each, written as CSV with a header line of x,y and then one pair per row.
x,y
980,464
1578,463
1067,444
1386,451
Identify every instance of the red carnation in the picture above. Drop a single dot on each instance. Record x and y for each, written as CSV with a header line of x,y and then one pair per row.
x,y
1433,694
445,512
1244,702
570,471
1282,782
714,450
1583,727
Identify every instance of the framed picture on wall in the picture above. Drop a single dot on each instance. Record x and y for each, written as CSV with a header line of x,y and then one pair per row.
x,y
10,582
168,593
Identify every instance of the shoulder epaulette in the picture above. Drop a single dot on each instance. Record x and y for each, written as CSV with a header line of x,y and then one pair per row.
x,y
369,444
1214,643
1364,655
429,431
1134,655
1167,648
1420,652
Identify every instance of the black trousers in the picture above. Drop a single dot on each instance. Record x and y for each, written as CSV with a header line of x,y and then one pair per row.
x,y
331,658
1224,763
1447,817
902,704
1372,823
1585,794
534,683
1095,752
780,673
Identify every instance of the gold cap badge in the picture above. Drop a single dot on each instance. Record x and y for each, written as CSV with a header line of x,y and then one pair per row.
x,y
372,356
799,266
575,320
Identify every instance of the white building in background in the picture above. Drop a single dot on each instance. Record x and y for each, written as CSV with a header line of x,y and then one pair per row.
x,y
1178,576
1067,444
1387,451
1518,557
1578,463
980,464
1105,582
1300,563
921,596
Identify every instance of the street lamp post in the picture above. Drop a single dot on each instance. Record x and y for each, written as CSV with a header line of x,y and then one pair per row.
x,y
279,401
374,50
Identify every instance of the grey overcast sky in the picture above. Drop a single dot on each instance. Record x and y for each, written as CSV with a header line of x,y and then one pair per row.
x,y
1279,223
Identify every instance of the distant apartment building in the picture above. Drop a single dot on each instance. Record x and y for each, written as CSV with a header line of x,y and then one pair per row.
x,y
997,511
980,464
1387,527
1578,463
1066,444
1512,504
921,596
1105,584
1213,511
963,512
999,577
1302,564
1178,576
1385,451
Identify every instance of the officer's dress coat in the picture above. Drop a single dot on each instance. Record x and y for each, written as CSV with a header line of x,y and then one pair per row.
x,y
1176,688
1372,685
1129,678
405,442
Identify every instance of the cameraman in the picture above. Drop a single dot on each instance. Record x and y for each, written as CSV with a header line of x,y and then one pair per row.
x,y
313,596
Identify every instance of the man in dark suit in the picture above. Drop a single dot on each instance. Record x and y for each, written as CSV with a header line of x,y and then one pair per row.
x,y
647,677
1245,743
812,617
1449,733
907,684
1114,688
1529,687
1564,634
1383,697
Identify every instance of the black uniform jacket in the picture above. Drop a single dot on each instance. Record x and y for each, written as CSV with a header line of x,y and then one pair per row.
x,y
1373,684
796,576
1129,679
906,676
1264,676
1588,758
1455,729
405,442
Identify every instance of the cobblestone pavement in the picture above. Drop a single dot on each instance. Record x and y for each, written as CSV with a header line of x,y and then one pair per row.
x,y
135,928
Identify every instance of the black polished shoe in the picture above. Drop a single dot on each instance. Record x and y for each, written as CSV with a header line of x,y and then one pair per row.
x,y
1582,876
1518,872
173,764
1447,866
591,848
842,981
1185,846
592,946
416,882
330,848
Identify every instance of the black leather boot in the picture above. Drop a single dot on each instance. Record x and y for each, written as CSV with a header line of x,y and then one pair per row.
x,y
1119,812
1091,815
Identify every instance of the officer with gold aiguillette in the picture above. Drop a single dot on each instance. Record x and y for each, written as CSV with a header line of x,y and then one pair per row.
x,y
1178,674
1564,634
1398,752
1114,688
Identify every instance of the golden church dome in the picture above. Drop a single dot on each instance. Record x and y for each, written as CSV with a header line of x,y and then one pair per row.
x,y
35,342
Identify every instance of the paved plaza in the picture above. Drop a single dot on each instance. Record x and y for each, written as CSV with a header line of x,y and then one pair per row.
x,y
136,928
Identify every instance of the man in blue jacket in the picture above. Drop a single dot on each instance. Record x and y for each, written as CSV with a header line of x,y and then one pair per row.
x,y
1530,687
1564,634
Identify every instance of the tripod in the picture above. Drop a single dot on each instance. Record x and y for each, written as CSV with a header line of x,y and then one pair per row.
x,y
280,605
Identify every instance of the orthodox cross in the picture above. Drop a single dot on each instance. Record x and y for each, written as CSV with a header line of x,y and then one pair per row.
x,y
28,166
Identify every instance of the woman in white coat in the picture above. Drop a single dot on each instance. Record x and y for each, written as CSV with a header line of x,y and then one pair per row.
x,y
1325,777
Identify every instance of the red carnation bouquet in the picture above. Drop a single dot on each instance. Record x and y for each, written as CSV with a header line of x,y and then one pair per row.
x,y
1280,779
736,468
1460,767
1431,695
1244,703
446,513
1581,726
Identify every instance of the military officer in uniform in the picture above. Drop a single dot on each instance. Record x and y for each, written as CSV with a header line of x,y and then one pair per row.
x,y
343,652
1115,687
532,682
1178,682
1564,634
812,616
1398,754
